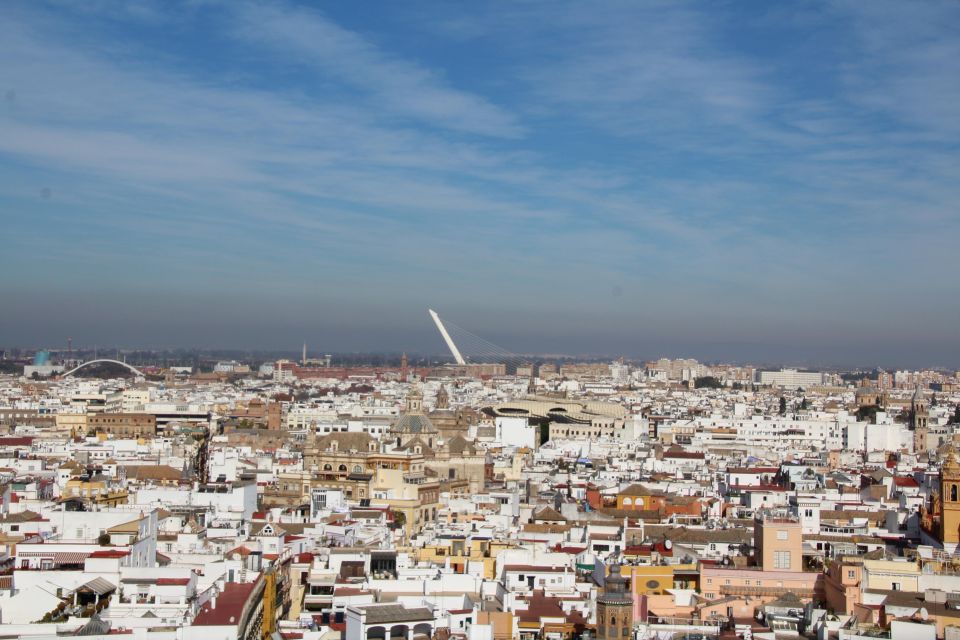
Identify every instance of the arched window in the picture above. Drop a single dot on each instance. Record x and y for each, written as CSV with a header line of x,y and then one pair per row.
x,y
953,493
613,621
342,467
327,467
357,468
627,501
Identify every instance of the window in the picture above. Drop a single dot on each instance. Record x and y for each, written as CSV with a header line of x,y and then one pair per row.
x,y
851,574
782,535
808,513
713,546
895,586
781,559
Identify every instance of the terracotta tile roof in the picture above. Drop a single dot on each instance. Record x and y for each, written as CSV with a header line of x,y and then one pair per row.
x,y
229,607
531,568
110,553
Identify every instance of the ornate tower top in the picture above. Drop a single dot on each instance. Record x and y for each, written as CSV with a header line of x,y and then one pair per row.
x,y
415,401
951,467
615,588
443,400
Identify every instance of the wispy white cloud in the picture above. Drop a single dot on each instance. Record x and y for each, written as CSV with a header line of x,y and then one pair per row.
x,y
401,87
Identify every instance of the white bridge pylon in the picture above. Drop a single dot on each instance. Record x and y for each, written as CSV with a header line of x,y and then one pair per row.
x,y
446,337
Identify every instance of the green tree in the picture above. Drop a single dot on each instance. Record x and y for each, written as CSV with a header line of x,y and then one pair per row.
x,y
707,382
868,413
783,406
804,404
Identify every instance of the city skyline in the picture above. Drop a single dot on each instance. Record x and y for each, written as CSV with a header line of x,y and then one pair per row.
x,y
728,182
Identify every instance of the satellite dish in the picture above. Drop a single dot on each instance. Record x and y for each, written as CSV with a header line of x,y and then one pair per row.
x,y
667,544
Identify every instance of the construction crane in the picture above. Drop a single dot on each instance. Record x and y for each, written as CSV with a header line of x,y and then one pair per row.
x,y
269,625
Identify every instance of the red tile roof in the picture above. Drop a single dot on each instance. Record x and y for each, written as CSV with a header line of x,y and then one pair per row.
x,y
531,568
230,605
110,553
692,455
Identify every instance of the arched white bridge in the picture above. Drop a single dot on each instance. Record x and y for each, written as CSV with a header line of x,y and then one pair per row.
x,y
87,364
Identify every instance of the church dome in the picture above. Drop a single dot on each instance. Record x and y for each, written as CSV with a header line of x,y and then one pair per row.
x,y
413,423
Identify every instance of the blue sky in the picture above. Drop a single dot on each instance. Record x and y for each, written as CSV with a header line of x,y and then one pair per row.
x,y
738,180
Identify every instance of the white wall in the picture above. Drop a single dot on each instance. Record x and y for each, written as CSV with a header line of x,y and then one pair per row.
x,y
516,432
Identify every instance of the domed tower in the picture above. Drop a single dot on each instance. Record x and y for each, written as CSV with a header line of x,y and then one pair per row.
x,y
918,421
414,422
950,502
615,607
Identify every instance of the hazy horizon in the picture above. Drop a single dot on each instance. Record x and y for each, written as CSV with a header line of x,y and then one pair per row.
x,y
729,182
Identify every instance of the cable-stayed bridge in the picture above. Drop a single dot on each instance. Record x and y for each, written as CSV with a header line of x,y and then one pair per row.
x,y
468,348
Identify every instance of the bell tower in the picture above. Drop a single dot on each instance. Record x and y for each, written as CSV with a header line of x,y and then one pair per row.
x,y
415,401
950,502
615,608
919,418
443,400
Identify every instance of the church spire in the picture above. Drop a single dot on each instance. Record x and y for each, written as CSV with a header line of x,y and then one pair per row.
x,y
443,400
